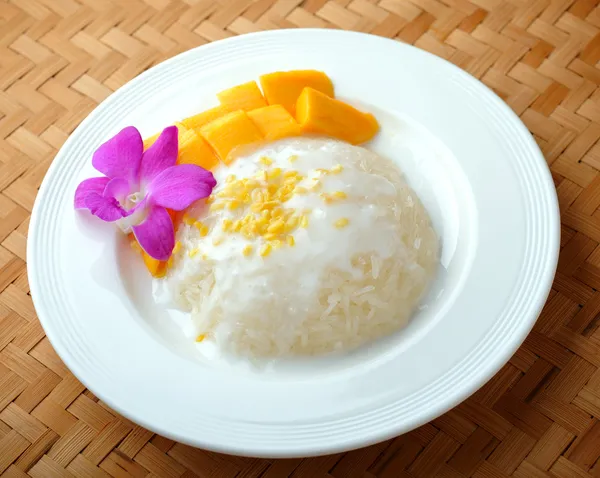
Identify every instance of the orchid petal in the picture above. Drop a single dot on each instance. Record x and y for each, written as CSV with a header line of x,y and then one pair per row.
x,y
156,234
86,187
121,155
179,186
160,156
117,188
106,208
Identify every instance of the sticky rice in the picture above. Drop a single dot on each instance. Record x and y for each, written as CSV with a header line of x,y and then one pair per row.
x,y
362,253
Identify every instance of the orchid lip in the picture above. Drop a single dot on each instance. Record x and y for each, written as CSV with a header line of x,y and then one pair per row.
x,y
133,199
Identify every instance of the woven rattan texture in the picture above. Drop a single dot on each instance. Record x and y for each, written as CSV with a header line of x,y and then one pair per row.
x,y
538,417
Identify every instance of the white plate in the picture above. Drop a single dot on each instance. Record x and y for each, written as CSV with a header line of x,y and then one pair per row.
x,y
479,173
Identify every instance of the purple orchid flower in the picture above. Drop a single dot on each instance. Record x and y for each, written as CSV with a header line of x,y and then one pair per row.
x,y
139,186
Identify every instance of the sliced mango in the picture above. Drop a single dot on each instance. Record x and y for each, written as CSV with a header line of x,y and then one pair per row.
x,y
150,141
155,267
181,129
275,122
320,114
284,87
194,150
199,120
243,97
229,132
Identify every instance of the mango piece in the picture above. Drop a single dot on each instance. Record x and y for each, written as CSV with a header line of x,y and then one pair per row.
x,y
243,97
199,120
181,129
284,87
150,141
155,267
227,133
194,150
320,114
275,122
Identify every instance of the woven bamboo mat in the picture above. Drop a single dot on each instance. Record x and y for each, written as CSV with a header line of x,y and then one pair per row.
x,y
538,417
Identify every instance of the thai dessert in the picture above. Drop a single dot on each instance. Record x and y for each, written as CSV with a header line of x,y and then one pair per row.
x,y
268,223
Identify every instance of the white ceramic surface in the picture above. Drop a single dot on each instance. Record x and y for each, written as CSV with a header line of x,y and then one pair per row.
x,y
477,170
